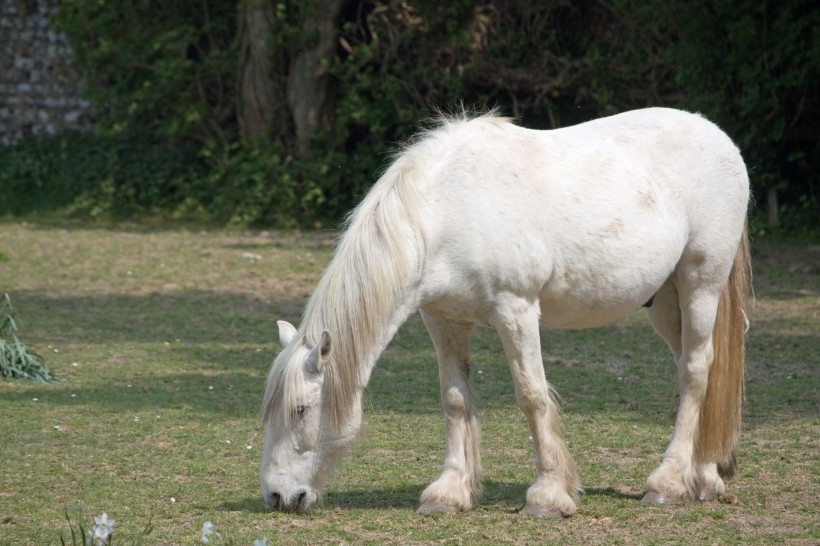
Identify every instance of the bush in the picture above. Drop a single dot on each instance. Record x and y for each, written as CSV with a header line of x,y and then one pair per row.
x,y
164,81
95,174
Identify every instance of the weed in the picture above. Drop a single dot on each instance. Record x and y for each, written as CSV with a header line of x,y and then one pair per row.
x,y
15,361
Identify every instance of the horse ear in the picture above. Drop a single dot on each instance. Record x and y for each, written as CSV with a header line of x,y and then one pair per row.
x,y
319,354
286,332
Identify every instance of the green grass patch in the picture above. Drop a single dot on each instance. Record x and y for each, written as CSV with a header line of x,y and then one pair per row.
x,y
164,337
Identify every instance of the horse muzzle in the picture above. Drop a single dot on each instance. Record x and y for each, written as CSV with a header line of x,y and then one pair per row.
x,y
296,500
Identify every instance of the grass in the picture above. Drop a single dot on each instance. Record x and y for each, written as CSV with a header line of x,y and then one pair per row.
x,y
164,337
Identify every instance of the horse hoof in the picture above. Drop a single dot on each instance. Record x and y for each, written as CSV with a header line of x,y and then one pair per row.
x,y
542,511
436,507
707,495
653,497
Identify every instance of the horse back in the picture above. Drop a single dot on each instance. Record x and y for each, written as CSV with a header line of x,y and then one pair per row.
x,y
591,220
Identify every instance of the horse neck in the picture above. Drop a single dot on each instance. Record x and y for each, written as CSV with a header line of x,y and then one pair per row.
x,y
363,298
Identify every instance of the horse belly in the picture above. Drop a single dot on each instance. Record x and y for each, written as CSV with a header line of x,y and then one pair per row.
x,y
576,313
591,287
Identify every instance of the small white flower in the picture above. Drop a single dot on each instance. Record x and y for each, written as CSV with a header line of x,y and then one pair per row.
x,y
207,530
102,529
261,542
99,536
105,522
173,500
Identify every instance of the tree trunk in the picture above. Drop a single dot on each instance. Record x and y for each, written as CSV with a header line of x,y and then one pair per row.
x,y
310,85
261,98
772,207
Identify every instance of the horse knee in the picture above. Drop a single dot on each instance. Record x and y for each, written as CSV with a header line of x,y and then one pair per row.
x,y
455,401
532,400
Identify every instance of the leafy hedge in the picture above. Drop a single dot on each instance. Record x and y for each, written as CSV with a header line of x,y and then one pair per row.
x,y
101,175
163,77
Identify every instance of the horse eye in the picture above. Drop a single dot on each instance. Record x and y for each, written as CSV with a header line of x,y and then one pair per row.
x,y
300,410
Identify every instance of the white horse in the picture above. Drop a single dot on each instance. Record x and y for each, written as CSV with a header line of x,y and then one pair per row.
x,y
481,222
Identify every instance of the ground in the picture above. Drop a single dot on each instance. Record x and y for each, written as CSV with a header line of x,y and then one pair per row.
x,y
164,335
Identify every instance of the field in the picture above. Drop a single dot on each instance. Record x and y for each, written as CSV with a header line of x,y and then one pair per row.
x,y
164,336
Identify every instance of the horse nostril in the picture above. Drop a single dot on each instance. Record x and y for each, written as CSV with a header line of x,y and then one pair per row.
x,y
300,500
275,501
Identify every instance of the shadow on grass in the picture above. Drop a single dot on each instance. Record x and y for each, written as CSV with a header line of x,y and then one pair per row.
x,y
618,369
284,239
227,395
611,493
407,498
404,498
190,315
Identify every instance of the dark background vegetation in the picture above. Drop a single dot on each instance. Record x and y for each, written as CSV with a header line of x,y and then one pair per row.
x,y
282,113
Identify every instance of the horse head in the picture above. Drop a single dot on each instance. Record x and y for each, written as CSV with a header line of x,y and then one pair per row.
x,y
302,443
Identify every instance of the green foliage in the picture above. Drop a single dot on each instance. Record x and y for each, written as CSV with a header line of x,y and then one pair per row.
x,y
250,185
15,361
754,68
168,67
163,77
96,174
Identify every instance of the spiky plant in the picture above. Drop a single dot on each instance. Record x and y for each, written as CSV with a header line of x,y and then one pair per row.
x,y
15,361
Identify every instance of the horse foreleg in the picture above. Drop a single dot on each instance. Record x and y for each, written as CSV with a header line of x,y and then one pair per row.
x,y
459,485
556,486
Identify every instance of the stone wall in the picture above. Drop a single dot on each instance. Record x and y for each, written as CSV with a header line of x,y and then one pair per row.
x,y
39,91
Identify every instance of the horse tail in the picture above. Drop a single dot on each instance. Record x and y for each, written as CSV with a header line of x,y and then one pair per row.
x,y
720,414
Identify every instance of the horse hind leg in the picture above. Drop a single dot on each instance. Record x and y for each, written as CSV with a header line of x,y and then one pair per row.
x,y
685,318
459,485
556,486
664,315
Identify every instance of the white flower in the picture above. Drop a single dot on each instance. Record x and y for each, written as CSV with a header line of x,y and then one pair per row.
x,y
99,536
105,522
102,529
262,542
207,529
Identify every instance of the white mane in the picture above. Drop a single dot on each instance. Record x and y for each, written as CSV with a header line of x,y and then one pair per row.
x,y
379,255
